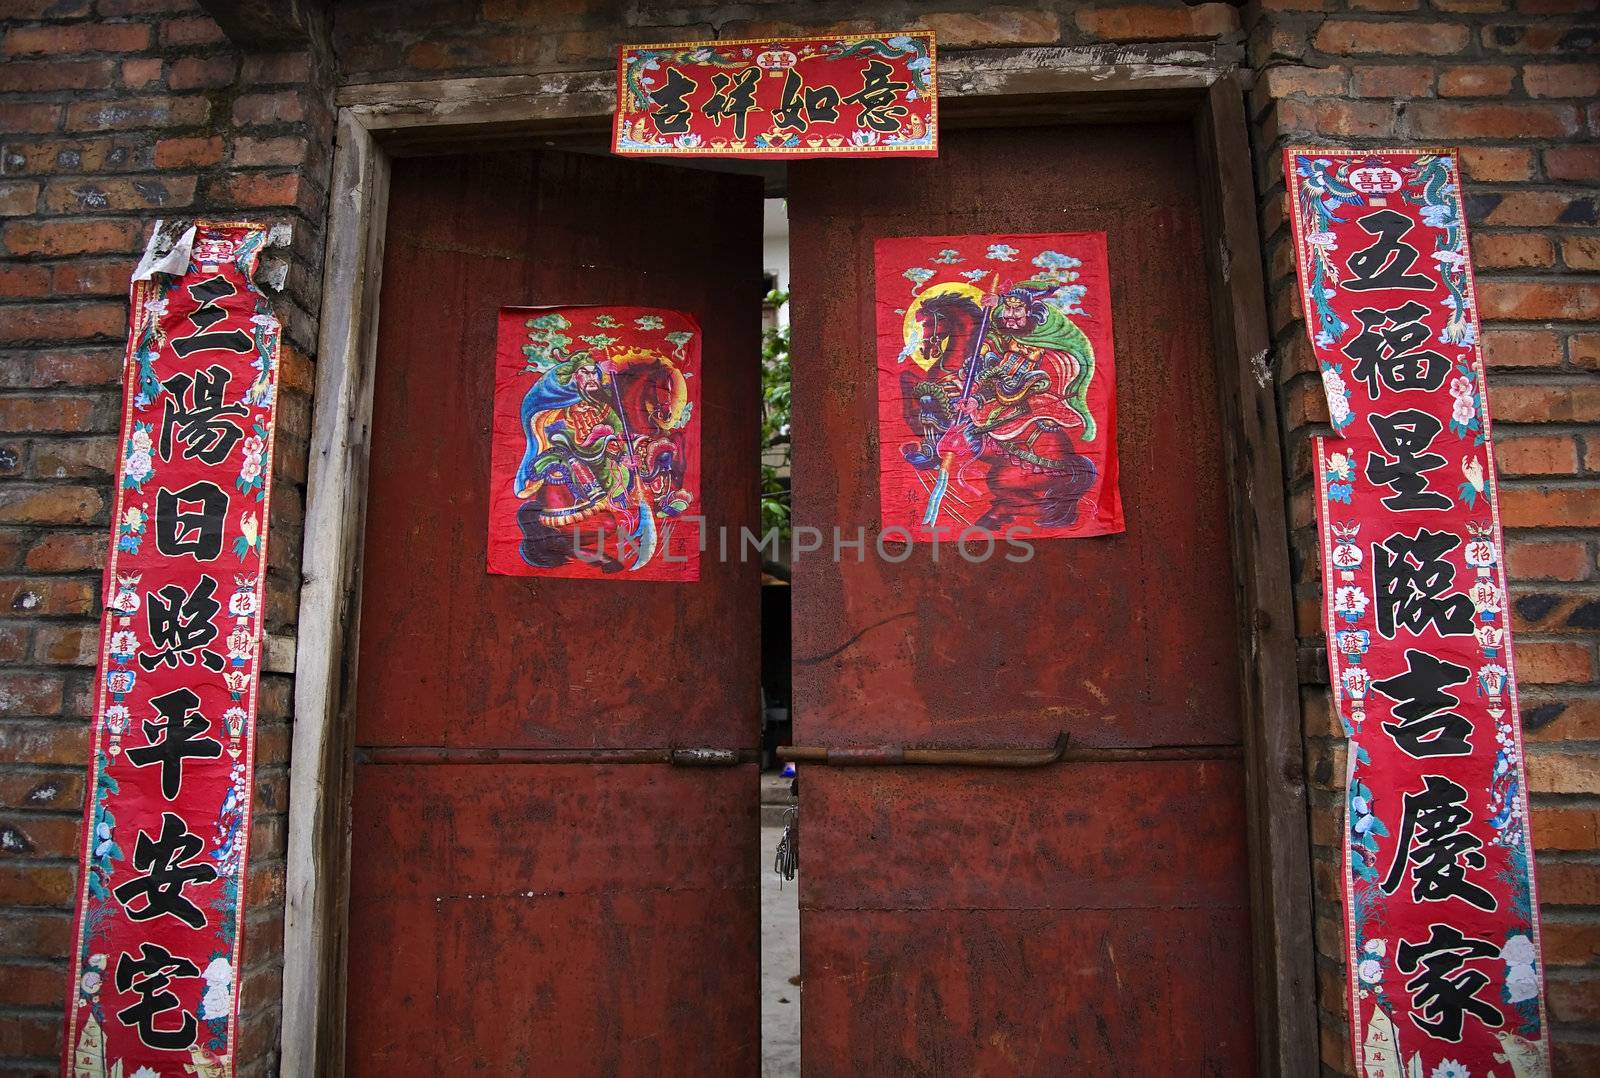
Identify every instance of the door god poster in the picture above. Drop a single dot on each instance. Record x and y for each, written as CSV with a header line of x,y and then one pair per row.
x,y
1441,908
172,739
996,386
596,453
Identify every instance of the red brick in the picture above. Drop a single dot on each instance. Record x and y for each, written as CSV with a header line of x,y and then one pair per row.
x,y
124,113
80,37
1581,252
1385,5
50,505
99,278
1478,80
76,458
1544,403
1497,164
68,645
1392,80
188,152
1555,454
41,77
68,552
1521,347
1584,350
1509,250
197,73
24,695
262,189
1468,6
1555,664
18,198
35,10
89,196
141,74
1436,119
994,26
1148,22
29,118
1551,36
49,743
1561,80
57,238
1399,37
78,368
1567,943
1565,828
200,30
1558,560
280,68
1538,208
1344,119
19,281
1564,507
1536,301
1574,1001
256,152
1572,162
284,106
58,321
1568,884
36,885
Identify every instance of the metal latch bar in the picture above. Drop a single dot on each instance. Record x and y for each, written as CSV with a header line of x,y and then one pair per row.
x,y
899,755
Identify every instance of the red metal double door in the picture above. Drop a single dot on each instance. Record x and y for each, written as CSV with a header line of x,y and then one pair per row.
x,y
562,912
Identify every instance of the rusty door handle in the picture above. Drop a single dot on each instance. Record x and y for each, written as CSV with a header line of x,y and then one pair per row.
x,y
897,755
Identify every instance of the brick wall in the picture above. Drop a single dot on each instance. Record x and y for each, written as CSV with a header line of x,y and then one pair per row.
x,y
1514,84
112,114
124,110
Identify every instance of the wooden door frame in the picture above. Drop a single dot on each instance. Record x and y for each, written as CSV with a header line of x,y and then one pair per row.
x,y
999,87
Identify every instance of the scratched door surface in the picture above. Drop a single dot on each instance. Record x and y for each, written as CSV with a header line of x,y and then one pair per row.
x,y
1085,918
534,917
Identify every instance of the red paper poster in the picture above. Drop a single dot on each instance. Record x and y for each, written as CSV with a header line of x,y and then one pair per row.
x,y
1441,908
780,97
996,386
167,813
595,471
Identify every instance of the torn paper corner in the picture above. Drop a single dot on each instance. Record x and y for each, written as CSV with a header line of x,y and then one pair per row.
x,y
166,252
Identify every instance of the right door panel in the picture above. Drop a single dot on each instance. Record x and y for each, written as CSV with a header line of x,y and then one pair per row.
x,y
1090,917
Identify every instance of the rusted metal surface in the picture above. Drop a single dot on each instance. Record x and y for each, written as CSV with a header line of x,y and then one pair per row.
x,y
457,657
520,903
675,757
1089,917
554,920
899,755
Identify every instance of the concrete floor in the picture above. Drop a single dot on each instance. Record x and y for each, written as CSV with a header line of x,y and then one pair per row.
x,y
780,961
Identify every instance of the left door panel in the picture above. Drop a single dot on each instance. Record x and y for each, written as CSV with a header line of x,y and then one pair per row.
x,y
528,916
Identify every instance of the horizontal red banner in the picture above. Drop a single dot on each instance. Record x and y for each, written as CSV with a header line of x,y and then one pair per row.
x,y
780,98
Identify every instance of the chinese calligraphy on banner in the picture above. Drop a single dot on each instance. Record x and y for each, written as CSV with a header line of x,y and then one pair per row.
x,y
167,813
784,97
596,444
996,386
1440,904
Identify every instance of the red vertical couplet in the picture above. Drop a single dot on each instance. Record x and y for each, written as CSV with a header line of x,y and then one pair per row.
x,y
1441,910
167,813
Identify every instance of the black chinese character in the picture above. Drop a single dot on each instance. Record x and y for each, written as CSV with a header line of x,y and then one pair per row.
x,y
199,416
732,95
803,106
1411,577
671,114
1442,992
208,314
181,732
1384,264
149,976
1436,849
165,860
1404,436
1426,726
1388,350
191,531
877,97
181,626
